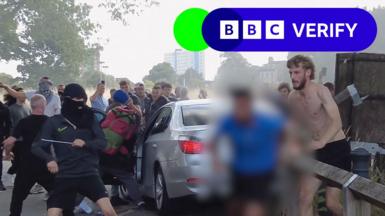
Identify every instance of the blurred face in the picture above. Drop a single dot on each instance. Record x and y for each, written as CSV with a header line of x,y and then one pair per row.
x,y
60,88
125,87
156,92
284,92
112,93
243,108
299,76
101,89
167,91
140,91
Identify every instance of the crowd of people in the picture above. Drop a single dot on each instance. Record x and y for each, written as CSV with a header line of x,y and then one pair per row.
x,y
55,140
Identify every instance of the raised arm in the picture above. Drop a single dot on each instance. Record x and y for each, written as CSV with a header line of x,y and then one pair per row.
x,y
17,94
93,97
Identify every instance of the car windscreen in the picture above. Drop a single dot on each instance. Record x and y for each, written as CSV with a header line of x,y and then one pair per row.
x,y
194,115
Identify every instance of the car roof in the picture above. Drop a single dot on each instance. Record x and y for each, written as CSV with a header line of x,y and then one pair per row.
x,y
193,102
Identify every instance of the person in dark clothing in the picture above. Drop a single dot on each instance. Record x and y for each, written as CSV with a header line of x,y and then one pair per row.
x,y
125,86
60,91
167,91
111,100
5,127
144,100
157,101
31,170
77,140
18,109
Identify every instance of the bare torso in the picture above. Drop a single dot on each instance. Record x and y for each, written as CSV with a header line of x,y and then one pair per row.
x,y
308,106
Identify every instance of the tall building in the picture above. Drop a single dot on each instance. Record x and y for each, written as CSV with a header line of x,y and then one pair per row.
x,y
182,60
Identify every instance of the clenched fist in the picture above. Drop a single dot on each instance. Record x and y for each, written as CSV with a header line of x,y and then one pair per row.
x,y
78,143
53,167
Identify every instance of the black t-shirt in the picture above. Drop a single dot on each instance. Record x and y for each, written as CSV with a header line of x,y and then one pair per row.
x,y
27,129
5,122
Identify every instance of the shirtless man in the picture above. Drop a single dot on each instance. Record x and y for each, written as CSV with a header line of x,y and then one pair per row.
x,y
314,104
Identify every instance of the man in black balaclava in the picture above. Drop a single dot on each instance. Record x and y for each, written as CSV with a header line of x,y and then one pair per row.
x,y
77,140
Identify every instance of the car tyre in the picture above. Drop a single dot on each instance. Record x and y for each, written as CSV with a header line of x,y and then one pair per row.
x,y
162,201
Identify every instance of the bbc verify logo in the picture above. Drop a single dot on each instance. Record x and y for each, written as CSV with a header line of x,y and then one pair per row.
x,y
252,29
277,29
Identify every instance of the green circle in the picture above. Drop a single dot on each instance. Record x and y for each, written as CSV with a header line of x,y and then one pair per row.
x,y
188,29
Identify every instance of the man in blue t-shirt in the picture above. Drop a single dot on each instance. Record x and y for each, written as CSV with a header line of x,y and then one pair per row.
x,y
254,138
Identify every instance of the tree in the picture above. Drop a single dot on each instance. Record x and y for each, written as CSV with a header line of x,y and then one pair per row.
x,y
47,36
162,72
119,9
8,79
191,79
235,71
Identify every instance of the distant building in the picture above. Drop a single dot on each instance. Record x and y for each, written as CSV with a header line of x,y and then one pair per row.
x,y
182,60
273,73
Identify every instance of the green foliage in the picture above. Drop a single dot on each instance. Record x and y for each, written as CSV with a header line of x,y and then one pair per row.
x,y
46,36
191,79
6,78
120,9
148,84
162,72
235,71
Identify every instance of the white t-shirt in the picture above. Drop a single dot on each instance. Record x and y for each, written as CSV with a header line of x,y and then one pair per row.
x,y
52,108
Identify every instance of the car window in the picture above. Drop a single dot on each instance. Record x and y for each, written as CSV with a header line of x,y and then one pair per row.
x,y
162,121
195,115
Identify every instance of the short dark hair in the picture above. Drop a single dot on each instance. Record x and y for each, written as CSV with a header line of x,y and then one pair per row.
x,y
166,85
240,93
156,87
123,82
305,62
284,85
330,86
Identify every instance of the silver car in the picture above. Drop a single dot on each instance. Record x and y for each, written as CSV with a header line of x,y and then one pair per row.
x,y
169,154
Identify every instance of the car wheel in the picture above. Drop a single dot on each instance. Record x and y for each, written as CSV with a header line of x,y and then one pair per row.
x,y
162,202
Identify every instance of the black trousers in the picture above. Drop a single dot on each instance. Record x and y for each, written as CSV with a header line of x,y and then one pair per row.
x,y
1,160
24,181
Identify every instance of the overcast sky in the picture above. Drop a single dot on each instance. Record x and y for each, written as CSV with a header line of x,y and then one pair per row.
x,y
131,51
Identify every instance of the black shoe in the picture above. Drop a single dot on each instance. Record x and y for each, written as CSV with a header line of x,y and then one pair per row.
x,y
2,188
116,201
140,205
12,170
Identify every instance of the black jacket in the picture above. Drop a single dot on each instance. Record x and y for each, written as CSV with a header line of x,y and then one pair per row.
x,y
154,106
5,122
73,162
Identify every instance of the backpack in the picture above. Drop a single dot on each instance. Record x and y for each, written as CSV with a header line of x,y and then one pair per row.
x,y
120,125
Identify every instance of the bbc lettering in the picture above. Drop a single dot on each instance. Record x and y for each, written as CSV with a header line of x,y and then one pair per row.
x,y
252,29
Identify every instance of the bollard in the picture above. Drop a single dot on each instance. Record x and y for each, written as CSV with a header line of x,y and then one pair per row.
x,y
361,162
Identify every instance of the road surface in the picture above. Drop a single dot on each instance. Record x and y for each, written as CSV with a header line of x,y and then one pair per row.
x,y
35,205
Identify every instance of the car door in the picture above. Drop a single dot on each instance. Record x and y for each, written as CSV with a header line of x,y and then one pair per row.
x,y
157,133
